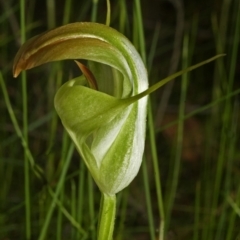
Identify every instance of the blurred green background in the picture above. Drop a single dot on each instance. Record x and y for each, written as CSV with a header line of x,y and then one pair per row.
x,y
192,142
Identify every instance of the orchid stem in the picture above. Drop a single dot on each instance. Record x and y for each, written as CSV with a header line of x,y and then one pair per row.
x,y
107,217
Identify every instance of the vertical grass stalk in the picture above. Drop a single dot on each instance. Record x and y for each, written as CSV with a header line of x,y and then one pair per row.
x,y
94,10
151,131
73,206
230,169
226,119
51,13
108,18
81,184
90,184
156,172
67,11
25,130
52,206
178,151
148,199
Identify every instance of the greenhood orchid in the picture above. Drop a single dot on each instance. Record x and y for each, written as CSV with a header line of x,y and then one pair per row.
x,y
104,110
106,125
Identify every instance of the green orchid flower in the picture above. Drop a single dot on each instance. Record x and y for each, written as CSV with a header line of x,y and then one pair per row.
x,y
104,110
108,130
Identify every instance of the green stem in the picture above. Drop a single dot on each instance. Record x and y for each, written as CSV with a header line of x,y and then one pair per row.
x,y
156,167
108,18
25,132
91,205
94,10
107,216
148,200
59,187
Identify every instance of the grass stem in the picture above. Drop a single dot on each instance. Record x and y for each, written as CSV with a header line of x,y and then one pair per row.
x,y
25,130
